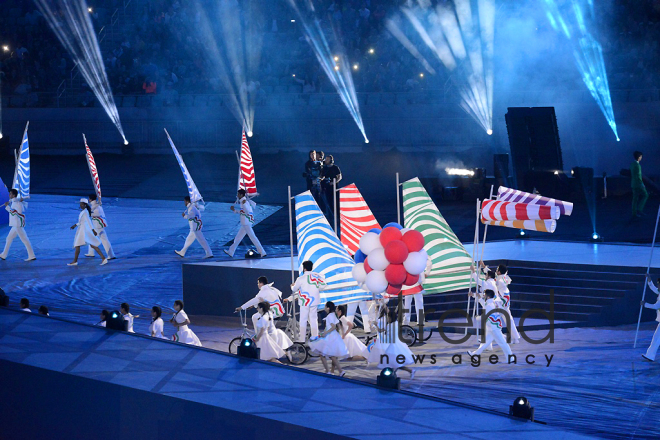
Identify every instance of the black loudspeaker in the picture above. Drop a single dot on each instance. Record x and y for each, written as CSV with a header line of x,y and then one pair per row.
x,y
534,142
4,299
116,321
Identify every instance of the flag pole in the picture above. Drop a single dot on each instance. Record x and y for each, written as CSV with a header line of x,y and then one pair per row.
x,y
334,199
398,201
648,268
483,246
293,303
474,245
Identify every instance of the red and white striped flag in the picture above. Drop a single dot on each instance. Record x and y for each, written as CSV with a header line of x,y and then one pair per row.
x,y
356,218
92,170
247,179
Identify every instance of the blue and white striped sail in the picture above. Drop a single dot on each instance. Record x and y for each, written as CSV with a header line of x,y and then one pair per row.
x,y
317,242
193,192
22,172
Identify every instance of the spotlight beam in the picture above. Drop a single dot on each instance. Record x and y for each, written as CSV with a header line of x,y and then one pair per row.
x,y
71,23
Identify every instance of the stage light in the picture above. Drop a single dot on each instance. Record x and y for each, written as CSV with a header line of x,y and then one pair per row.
x,y
125,142
556,173
366,141
355,67
336,58
522,409
5,48
294,75
596,237
336,67
293,21
90,10
489,132
572,172
387,379
421,75
0,135
459,172
522,233
116,322
248,349
618,140
251,253
250,134
371,51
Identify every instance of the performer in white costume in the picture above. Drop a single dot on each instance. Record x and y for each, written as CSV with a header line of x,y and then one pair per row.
x,y
104,317
156,327
124,309
24,304
85,233
194,217
100,223
266,293
503,280
494,323
417,294
307,289
655,342
269,349
389,346
247,220
357,351
330,344
365,307
15,207
180,321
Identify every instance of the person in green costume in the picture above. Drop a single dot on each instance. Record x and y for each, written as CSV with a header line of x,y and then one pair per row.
x,y
638,189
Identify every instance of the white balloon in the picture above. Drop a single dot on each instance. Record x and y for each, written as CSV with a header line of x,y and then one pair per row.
x,y
369,242
404,230
377,259
376,281
359,274
416,262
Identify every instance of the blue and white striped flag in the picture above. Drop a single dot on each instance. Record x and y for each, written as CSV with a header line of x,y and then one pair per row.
x,y
318,243
22,172
193,192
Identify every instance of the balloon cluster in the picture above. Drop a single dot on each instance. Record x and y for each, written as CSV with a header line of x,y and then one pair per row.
x,y
389,259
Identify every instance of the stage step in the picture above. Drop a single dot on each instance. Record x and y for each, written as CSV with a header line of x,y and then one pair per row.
x,y
597,295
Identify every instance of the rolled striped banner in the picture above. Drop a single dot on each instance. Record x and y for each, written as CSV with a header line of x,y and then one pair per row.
x,y
512,195
496,210
530,225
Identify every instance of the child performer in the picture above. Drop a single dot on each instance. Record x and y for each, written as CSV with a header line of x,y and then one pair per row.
x,y
124,309
357,351
104,317
247,220
195,219
494,325
85,233
15,207
156,327
180,321
269,349
266,293
389,346
100,223
330,344
307,289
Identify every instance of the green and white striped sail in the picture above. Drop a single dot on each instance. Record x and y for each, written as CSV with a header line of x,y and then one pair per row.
x,y
451,262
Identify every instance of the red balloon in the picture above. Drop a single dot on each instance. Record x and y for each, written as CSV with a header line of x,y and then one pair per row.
x,y
393,289
414,240
367,268
396,252
389,234
395,274
411,279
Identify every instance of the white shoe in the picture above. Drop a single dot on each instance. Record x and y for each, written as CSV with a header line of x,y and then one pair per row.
x,y
207,256
31,259
3,258
470,353
72,264
104,262
89,255
412,374
179,254
112,258
227,252
263,255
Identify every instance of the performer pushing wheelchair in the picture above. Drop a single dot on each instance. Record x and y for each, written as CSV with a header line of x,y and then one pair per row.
x,y
266,293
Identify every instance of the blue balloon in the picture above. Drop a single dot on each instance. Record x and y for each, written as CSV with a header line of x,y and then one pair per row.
x,y
376,230
393,224
359,256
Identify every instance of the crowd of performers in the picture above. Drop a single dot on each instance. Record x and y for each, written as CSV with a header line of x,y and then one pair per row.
x,y
336,341
90,229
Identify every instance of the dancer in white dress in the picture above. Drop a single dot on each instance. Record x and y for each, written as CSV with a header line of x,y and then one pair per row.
x,y
156,327
247,220
357,351
15,206
124,309
388,348
104,318
270,350
100,223
85,233
180,321
330,343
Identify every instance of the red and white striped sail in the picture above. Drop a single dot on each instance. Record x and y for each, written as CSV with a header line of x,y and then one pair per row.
x,y
356,218
92,170
247,178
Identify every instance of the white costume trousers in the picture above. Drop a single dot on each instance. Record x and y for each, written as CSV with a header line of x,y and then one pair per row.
x,y
103,236
513,330
655,343
364,313
407,304
308,313
494,334
246,230
13,232
200,238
